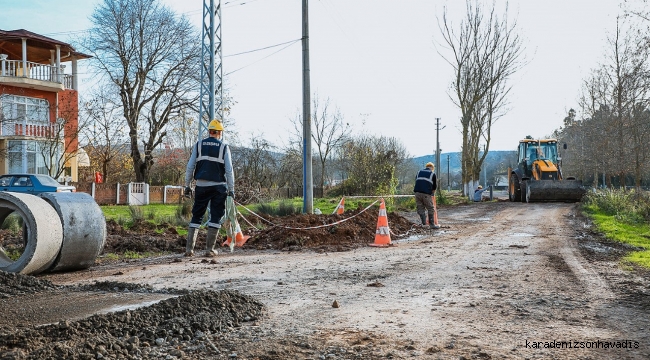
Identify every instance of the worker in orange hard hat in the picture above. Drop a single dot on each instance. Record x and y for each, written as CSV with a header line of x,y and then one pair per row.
x,y
211,166
425,187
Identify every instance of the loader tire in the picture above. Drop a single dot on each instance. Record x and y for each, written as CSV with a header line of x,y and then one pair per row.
x,y
514,191
525,192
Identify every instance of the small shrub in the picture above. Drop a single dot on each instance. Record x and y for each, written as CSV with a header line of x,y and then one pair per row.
x,y
150,214
13,253
183,214
132,255
405,203
284,208
13,222
287,208
185,209
136,213
122,221
265,208
632,207
442,198
111,256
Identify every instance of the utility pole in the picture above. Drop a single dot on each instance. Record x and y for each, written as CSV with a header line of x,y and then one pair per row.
x,y
307,180
448,183
211,91
438,128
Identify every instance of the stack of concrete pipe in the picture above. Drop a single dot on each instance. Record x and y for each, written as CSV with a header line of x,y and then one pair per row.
x,y
64,231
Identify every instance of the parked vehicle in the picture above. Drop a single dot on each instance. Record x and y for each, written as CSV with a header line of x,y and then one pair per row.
x,y
32,184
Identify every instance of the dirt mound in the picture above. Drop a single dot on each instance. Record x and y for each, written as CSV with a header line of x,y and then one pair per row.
x,y
281,232
333,232
142,237
131,334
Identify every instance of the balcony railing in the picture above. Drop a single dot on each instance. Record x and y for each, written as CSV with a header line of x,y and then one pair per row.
x,y
31,128
15,68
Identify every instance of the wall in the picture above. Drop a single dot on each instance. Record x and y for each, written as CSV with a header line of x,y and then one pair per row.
x,y
106,194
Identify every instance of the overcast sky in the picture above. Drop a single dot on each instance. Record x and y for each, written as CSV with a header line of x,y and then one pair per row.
x,y
378,61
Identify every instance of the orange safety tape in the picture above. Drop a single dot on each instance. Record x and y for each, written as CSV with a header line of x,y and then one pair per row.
x,y
311,227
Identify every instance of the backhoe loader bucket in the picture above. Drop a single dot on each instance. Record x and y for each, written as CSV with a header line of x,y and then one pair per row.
x,y
553,190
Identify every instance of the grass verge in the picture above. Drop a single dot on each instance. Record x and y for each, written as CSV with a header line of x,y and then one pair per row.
x,y
621,216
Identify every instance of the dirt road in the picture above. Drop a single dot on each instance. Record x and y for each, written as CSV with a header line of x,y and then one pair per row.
x,y
499,280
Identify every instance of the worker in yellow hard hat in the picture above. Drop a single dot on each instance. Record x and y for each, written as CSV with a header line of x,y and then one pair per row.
x,y
211,166
425,188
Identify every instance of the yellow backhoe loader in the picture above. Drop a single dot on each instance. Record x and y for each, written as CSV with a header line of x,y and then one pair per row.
x,y
538,176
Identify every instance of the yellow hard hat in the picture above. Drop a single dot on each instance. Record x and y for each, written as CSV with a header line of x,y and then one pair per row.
x,y
429,165
215,125
480,186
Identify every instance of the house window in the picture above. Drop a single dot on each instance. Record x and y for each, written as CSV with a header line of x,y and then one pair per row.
x,y
26,156
21,109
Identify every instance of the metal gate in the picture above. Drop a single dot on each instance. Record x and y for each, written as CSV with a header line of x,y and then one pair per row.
x,y
138,194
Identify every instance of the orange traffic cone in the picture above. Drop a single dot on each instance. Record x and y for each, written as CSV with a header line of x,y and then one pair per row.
x,y
240,240
340,208
382,236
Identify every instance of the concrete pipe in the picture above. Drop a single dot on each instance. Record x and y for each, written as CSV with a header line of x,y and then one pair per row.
x,y
44,232
84,230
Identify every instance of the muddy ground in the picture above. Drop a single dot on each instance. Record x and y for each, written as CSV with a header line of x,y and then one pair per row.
x,y
498,281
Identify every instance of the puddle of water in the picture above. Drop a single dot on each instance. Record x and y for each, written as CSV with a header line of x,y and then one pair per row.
x,y
413,238
131,306
424,236
522,235
598,248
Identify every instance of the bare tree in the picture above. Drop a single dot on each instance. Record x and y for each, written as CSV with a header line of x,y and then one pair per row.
x,y
255,165
171,158
329,132
486,51
105,139
290,172
614,102
371,164
61,144
151,57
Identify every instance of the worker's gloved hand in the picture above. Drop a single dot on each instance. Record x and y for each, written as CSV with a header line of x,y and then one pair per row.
x,y
187,192
231,194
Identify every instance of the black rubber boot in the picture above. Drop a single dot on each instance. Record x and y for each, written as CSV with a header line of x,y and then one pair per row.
x,y
191,240
210,241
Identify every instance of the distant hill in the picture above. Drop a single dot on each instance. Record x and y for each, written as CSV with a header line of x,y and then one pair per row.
x,y
493,160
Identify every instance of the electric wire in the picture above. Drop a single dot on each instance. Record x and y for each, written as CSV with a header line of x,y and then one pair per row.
x,y
255,62
264,48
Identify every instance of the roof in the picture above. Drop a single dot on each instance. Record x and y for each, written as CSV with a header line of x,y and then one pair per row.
x,y
539,140
38,46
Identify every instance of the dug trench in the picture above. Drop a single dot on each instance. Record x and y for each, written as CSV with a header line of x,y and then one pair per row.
x,y
498,280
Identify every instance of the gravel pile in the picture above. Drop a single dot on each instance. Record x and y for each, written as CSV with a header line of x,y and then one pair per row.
x,y
171,328
118,286
12,284
193,325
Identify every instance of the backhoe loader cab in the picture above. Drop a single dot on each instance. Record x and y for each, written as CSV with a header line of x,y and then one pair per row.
x,y
538,176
